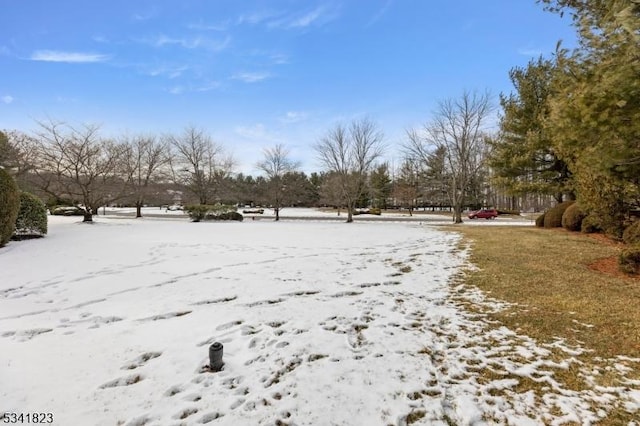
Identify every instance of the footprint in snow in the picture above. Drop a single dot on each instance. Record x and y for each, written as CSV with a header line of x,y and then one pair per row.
x,y
123,381
166,316
141,360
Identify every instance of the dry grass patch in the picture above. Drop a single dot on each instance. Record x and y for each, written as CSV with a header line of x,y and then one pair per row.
x,y
546,274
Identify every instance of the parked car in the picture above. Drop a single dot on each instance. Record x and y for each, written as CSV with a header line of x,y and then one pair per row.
x,y
483,214
253,211
175,207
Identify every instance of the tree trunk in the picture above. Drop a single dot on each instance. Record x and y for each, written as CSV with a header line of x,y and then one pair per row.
x,y
457,214
88,217
138,209
277,210
351,205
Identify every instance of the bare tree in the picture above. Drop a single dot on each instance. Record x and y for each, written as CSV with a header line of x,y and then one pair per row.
x,y
77,164
199,163
276,165
350,153
143,161
458,129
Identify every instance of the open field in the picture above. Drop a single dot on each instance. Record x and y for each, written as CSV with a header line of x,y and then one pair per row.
x,y
322,323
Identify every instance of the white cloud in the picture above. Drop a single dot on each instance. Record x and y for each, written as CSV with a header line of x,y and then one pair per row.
x,y
176,90
100,39
294,117
251,77
192,42
257,132
319,16
257,17
7,99
307,19
530,52
280,59
380,13
68,57
212,85
168,71
200,26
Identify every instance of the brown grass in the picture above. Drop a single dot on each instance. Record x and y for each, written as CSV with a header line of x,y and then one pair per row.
x,y
548,274
560,289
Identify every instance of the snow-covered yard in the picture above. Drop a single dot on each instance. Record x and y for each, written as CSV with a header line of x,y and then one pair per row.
x,y
322,323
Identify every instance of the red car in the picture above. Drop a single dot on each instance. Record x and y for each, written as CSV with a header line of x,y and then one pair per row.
x,y
483,214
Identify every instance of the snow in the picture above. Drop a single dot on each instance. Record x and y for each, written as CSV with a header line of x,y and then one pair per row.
x,y
322,323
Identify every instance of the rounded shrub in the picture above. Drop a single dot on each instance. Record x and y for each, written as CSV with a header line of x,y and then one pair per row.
x,y
591,224
9,206
572,218
32,217
631,234
629,260
540,220
553,217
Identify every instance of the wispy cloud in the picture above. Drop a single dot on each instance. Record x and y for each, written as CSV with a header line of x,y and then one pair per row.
x,y
68,57
280,58
146,15
257,132
257,17
211,85
100,39
317,17
176,90
168,71
7,99
190,42
380,13
530,52
294,117
251,77
201,26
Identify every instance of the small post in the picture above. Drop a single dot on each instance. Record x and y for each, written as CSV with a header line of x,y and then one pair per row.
x,y
215,356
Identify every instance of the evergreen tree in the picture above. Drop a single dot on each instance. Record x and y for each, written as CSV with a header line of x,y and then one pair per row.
x,y
523,158
9,206
380,185
595,111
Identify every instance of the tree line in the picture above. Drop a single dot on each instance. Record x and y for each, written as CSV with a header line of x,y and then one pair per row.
x,y
570,129
75,164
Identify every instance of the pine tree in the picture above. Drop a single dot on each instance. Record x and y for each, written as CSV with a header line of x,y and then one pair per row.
x,y
595,111
523,157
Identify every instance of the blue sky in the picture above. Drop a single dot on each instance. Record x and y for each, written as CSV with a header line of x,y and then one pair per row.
x,y
255,73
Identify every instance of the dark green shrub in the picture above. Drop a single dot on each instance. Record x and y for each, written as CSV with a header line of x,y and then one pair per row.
x,y
9,206
196,212
572,218
225,216
629,260
200,212
67,211
540,221
590,224
631,233
553,217
32,217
